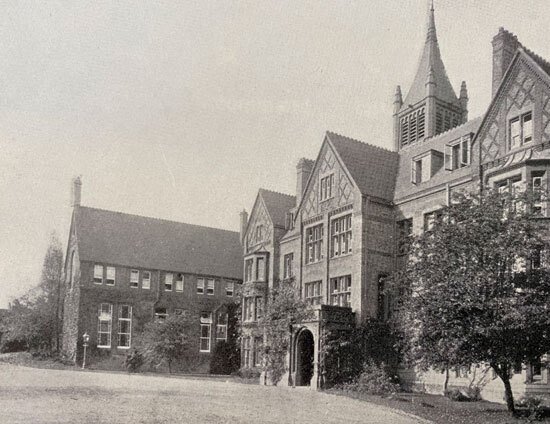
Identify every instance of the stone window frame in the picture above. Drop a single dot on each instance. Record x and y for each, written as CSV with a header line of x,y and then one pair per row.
x,y
168,281
326,187
221,326
210,287
522,139
288,260
104,315
205,331
109,274
201,285
121,320
340,291
97,279
180,282
341,233
248,270
134,282
229,288
458,153
313,293
146,282
314,236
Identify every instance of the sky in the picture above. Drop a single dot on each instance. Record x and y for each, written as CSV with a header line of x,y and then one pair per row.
x,y
182,110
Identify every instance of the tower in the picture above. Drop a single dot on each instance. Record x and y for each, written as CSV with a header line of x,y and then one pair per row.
x,y
431,105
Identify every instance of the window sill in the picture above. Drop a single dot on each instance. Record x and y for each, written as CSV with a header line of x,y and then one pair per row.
x,y
316,262
123,347
103,347
342,255
98,282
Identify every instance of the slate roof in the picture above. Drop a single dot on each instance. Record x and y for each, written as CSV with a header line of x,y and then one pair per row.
x,y
277,204
430,60
131,240
373,168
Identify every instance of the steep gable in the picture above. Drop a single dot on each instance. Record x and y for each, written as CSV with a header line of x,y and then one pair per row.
x,y
259,231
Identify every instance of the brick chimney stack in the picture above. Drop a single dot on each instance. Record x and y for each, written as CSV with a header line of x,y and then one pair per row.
x,y
505,45
76,193
303,171
244,222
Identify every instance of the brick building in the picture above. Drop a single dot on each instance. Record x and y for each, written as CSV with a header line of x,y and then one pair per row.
x,y
355,202
125,270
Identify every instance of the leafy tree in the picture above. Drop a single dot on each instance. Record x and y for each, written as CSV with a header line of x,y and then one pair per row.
x,y
34,320
474,291
226,356
173,340
284,309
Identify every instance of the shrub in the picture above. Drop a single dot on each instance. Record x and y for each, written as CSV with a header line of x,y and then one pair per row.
x,y
134,360
374,380
533,405
225,358
249,373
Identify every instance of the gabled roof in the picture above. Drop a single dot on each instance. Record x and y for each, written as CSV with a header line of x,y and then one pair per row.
x,y
372,168
277,205
131,240
430,61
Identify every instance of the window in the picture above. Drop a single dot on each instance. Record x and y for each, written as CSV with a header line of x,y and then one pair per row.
x,y
248,309
511,187
313,292
179,282
168,279
340,229
246,350
258,342
146,280
535,370
229,288
289,221
98,274
206,325
383,299
457,154
104,325
160,314
260,269
259,232
314,244
431,218
258,308
326,187
287,272
404,231
413,127
340,288
248,264
134,278
537,185
124,326
221,327
421,169
111,273
521,130
210,287
200,285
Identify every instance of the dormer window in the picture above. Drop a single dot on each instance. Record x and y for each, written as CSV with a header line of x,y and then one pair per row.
x,y
326,187
424,166
521,130
457,153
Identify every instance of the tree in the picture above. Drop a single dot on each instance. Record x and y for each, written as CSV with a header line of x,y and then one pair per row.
x,y
34,320
226,355
284,309
173,340
474,291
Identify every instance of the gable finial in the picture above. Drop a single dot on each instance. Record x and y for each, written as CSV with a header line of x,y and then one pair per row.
x,y
432,5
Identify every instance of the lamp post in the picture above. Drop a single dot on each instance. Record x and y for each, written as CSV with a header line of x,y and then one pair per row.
x,y
86,339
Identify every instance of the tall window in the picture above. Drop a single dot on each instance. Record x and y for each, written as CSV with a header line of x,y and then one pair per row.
x,y
340,229
340,288
246,350
288,259
314,244
206,325
537,185
326,187
98,274
124,326
111,276
168,280
104,325
179,282
521,130
248,265
210,287
221,327
404,231
258,342
413,127
260,269
146,280
229,288
313,292
258,308
383,299
248,308
200,285
457,154
134,278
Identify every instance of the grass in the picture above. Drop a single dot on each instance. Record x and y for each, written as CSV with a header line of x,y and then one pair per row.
x,y
440,409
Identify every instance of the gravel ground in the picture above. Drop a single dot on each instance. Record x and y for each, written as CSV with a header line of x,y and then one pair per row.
x,y
30,395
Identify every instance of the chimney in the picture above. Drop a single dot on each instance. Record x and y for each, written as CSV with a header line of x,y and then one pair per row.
x,y
505,45
303,171
244,221
397,104
76,192
464,101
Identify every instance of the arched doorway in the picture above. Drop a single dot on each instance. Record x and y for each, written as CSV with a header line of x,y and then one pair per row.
x,y
305,348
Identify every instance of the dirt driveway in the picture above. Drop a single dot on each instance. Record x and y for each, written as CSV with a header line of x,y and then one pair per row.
x,y
30,395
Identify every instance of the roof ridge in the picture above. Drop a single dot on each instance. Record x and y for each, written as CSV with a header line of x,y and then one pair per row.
x,y
360,142
535,55
276,192
159,219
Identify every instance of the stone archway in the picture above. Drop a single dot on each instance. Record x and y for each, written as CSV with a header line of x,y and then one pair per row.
x,y
305,349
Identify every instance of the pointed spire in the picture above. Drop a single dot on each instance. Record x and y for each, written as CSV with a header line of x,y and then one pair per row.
x,y
430,62
398,100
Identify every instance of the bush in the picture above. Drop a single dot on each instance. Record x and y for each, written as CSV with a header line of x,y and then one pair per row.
x,y
460,394
533,405
225,359
249,373
134,360
374,380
